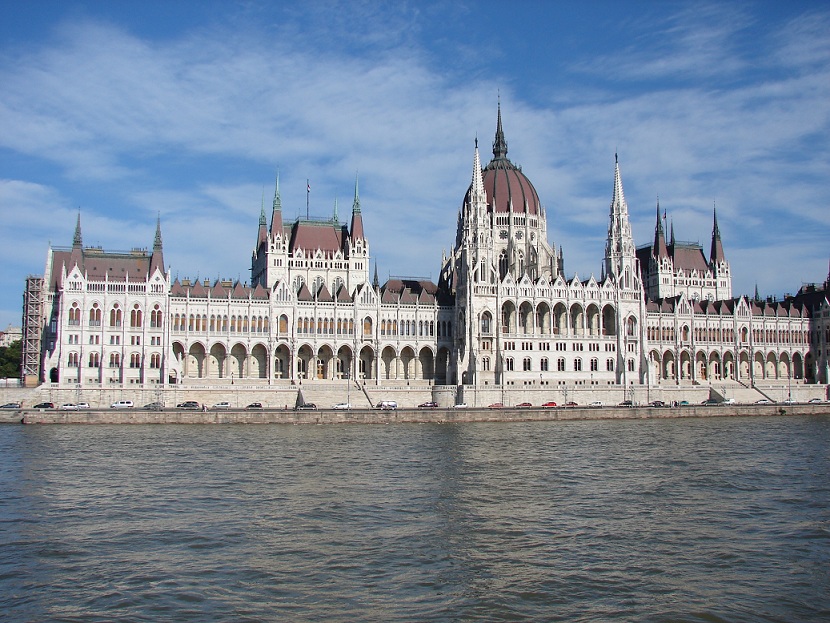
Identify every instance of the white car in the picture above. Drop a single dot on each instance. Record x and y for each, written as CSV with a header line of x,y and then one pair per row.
x,y
460,405
596,403
82,405
122,404
69,407
221,406
342,405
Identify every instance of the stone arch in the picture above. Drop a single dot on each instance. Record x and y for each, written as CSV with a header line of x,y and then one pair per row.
x,y
258,362
592,317
609,320
669,366
743,364
344,363
508,317
388,357
407,366
323,363
701,371
426,360
577,325
305,362
216,365
543,318
784,366
195,361
771,367
560,319
526,318
798,366
631,326
685,366
366,363
282,362
486,323
239,355
729,366
714,368
655,365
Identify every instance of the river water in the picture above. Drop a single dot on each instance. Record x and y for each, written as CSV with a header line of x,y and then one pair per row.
x,y
713,519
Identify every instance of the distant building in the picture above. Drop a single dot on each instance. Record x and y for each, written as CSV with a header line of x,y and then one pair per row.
x,y
10,335
503,312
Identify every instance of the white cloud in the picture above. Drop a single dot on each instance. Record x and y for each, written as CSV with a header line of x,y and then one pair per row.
x,y
191,127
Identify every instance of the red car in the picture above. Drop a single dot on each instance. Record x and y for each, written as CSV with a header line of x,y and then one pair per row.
x,y
496,405
524,405
549,405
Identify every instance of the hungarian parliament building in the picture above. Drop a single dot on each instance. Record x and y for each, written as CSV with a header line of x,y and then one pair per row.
x,y
503,312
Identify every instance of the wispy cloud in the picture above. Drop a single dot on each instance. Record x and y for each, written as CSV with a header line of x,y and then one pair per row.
x,y
192,127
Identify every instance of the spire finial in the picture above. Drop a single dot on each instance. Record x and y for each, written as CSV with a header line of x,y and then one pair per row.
x,y
356,204
335,209
499,144
77,240
277,200
262,220
157,240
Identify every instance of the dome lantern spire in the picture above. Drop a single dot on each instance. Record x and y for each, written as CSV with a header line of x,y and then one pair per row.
x,y
499,144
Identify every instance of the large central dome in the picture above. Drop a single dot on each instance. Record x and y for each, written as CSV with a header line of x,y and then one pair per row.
x,y
507,188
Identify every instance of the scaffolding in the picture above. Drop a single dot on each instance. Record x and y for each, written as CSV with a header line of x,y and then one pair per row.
x,y
32,331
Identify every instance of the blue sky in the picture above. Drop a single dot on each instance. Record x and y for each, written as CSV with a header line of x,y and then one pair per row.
x,y
129,110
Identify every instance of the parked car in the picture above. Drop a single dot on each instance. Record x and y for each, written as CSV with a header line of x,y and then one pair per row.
x,y
82,405
596,403
153,406
549,405
626,403
683,403
69,406
524,405
460,405
728,401
44,405
308,406
387,405
496,405
571,404
221,406
812,401
10,405
189,404
254,405
122,404
763,401
342,405
657,403
428,405
710,402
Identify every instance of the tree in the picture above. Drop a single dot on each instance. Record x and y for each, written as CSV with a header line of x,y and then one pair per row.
x,y
10,361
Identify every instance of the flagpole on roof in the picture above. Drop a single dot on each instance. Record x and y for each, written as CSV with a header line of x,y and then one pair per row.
x,y
307,193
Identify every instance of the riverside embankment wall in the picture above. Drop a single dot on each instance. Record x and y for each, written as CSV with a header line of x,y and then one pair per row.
x,y
375,416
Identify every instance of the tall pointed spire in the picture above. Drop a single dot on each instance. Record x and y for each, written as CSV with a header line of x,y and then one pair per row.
x,y
157,259
659,250
357,218
375,280
77,239
276,209
716,254
619,248
477,185
335,217
499,144
262,232
157,239
672,233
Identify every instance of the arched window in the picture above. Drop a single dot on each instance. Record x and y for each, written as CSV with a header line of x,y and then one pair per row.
x,y
502,265
135,317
